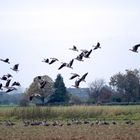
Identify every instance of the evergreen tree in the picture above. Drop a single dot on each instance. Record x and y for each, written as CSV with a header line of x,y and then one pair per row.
x,y
60,94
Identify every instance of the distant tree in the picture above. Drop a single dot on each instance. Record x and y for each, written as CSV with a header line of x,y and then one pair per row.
x,y
60,94
127,84
95,89
44,92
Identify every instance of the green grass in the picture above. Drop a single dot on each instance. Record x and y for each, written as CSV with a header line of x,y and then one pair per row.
x,y
67,112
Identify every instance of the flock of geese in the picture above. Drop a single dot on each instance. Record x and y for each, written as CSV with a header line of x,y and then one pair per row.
x,y
8,77
83,54
69,122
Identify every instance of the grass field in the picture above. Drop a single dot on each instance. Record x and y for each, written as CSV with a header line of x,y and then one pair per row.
x,y
120,131
67,112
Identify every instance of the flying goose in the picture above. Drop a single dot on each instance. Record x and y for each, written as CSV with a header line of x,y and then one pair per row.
x,y
83,77
34,95
0,86
69,65
97,46
84,51
5,60
74,75
15,67
74,48
80,57
46,60
3,78
53,60
16,84
7,83
10,89
62,65
42,84
87,54
77,82
8,75
135,48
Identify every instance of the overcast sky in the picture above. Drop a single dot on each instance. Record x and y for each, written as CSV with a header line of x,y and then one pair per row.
x,y
31,30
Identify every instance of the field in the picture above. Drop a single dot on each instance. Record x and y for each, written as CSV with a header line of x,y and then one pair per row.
x,y
70,123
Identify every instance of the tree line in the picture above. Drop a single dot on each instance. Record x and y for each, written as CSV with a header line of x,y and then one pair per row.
x,y
121,88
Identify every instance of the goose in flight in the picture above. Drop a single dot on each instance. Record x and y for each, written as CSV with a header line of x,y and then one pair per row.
x,y
87,54
34,95
135,48
74,75
74,48
83,77
7,83
69,65
77,82
8,75
97,46
10,89
80,57
0,86
15,67
16,84
42,84
5,60
4,77
46,60
62,65
53,60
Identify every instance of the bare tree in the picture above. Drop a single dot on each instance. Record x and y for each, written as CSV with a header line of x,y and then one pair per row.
x,y
95,88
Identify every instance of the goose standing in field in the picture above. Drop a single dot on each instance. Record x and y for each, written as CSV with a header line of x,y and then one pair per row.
x,y
53,60
74,75
97,46
74,48
5,60
15,67
135,48
34,95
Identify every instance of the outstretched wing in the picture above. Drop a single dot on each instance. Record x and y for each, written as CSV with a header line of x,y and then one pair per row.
x,y
63,65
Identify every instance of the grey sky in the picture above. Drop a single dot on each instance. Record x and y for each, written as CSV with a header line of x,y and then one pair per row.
x,y
31,30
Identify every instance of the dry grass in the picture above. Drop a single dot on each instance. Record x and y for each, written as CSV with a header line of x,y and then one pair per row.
x,y
73,132
67,112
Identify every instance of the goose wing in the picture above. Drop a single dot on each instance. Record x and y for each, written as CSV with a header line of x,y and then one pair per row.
x,y
84,76
63,65
136,47
71,62
87,54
